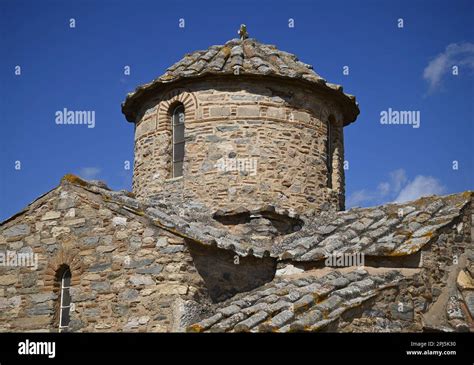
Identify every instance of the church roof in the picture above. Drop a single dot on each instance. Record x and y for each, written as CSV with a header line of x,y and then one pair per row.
x,y
391,230
313,298
304,302
247,57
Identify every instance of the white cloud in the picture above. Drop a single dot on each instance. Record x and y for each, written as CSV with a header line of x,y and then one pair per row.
x,y
397,179
359,197
89,173
454,55
384,189
398,189
420,186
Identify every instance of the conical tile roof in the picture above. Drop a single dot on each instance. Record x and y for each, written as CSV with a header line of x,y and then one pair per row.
x,y
238,58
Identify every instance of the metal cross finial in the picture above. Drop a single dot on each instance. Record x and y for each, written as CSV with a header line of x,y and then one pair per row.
x,y
243,32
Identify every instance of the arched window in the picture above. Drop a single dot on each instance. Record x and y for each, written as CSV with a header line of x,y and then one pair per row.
x,y
177,121
329,149
64,299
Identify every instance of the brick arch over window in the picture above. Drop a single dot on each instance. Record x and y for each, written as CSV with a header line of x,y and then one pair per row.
x,y
164,126
178,96
64,257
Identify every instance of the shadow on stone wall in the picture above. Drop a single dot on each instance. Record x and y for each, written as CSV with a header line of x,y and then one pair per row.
x,y
224,277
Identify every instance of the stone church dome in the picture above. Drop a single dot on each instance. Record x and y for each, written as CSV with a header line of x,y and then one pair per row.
x,y
236,221
241,57
241,125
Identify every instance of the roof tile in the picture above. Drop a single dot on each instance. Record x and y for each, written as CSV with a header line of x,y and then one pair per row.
x,y
255,59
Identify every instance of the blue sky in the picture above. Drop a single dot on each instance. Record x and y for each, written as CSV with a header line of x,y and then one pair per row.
x,y
81,68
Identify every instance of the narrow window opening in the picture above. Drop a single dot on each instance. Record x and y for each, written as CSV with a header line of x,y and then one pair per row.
x,y
177,121
65,300
329,149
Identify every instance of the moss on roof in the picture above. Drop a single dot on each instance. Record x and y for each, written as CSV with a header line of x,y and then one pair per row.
x,y
251,58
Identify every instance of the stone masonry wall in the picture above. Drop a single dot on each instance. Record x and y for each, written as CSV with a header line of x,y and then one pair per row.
x,y
224,276
127,275
432,294
280,127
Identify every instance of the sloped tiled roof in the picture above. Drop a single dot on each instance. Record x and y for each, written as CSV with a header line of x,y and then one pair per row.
x,y
250,58
385,231
305,300
305,303
389,230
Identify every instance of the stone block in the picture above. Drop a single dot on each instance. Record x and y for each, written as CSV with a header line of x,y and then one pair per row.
x,y
278,113
219,111
248,111
17,230
9,279
51,215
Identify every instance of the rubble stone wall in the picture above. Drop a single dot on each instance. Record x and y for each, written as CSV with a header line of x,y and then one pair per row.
x,y
246,144
127,275
429,297
226,274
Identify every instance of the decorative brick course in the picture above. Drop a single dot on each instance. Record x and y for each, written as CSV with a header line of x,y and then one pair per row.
x,y
283,128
